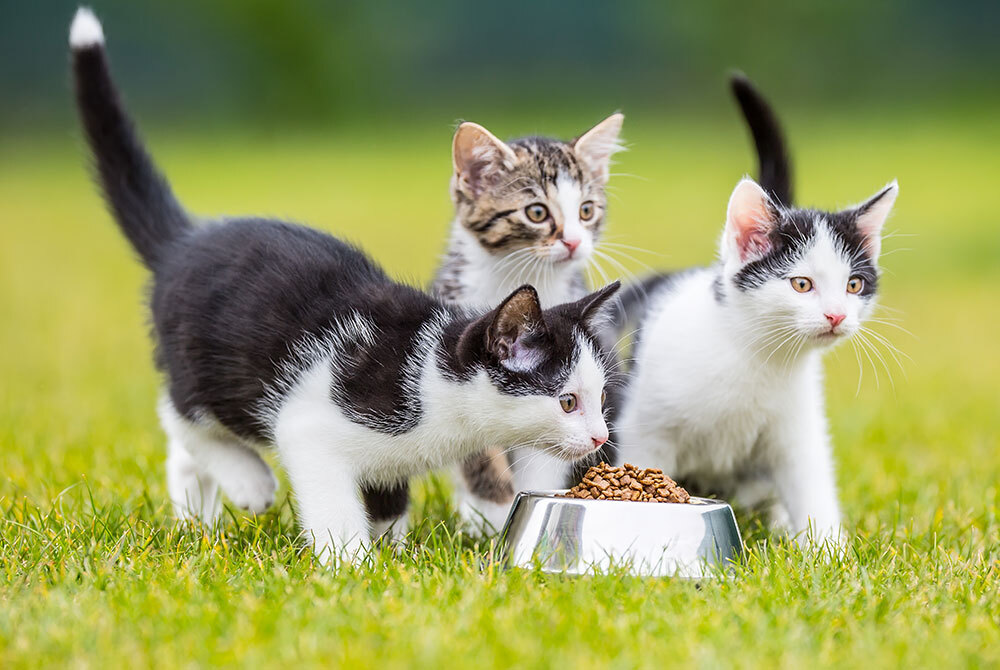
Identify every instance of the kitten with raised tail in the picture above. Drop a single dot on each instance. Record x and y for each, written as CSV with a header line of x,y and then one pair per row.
x,y
527,210
726,391
274,334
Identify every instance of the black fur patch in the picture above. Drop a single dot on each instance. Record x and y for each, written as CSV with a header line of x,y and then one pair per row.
x,y
384,503
791,238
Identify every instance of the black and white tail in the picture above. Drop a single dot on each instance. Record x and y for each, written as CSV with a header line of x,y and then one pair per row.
x,y
775,169
774,174
137,194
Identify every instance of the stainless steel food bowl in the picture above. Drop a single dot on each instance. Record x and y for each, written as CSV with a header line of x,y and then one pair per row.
x,y
576,536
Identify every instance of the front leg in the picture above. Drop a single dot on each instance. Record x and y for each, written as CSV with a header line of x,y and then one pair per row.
x,y
330,507
805,479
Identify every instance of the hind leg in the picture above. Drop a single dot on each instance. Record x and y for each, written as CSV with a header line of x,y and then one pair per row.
x,y
484,487
203,455
193,493
386,507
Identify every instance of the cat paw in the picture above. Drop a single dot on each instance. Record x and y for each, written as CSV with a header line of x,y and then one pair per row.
x,y
251,486
335,554
484,516
391,530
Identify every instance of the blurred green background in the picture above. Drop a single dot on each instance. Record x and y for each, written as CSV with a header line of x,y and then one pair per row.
x,y
340,115
279,63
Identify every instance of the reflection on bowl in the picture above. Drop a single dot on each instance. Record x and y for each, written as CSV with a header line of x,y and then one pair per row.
x,y
576,536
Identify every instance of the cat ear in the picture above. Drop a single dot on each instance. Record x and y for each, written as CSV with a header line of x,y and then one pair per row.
x,y
596,146
750,218
589,306
514,322
477,154
872,215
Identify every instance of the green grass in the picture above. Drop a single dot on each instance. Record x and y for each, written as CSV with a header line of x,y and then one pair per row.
x,y
93,572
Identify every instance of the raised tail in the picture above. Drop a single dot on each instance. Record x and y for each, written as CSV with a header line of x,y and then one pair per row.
x,y
775,169
138,196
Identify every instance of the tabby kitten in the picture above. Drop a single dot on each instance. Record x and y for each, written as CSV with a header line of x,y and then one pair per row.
x,y
529,210
270,333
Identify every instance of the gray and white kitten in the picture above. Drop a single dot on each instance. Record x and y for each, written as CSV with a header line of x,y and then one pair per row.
x,y
528,210
726,391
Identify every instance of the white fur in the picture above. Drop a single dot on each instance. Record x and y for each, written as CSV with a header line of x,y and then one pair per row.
x,y
488,279
327,454
704,404
568,198
85,31
202,458
730,392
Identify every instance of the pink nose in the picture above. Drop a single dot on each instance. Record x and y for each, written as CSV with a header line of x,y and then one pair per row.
x,y
571,245
834,319
598,441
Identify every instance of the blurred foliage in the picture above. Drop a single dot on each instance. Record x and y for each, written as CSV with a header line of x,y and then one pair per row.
x,y
314,61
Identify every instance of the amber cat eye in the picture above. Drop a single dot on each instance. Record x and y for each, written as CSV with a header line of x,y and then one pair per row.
x,y
855,284
537,212
801,284
567,402
587,211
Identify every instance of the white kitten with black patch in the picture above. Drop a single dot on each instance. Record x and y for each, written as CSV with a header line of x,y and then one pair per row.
x,y
727,392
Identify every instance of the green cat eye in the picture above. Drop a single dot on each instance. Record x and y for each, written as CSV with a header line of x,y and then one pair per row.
x,y
567,402
537,212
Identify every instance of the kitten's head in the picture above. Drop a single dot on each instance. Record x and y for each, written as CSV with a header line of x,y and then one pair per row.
x,y
801,276
545,371
534,193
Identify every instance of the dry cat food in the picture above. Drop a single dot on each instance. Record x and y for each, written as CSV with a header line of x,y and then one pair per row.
x,y
627,482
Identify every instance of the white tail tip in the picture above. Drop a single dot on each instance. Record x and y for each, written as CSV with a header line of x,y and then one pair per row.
x,y
86,30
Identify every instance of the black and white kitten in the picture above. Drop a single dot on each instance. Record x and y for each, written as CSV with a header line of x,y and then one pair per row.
x,y
726,392
272,333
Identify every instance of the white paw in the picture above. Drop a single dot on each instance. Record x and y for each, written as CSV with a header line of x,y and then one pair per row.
x,y
483,515
194,494
392,530
333,554
250,485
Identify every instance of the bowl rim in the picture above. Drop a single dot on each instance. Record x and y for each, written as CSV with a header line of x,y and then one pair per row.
x,y
557,494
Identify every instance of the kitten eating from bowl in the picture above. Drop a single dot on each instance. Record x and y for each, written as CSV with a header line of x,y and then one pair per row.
x,y
274,334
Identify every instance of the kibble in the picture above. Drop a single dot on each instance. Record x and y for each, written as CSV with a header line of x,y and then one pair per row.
x,y
627,482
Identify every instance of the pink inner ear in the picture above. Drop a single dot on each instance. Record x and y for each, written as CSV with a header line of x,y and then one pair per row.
x,y
753,243
520,358
750,219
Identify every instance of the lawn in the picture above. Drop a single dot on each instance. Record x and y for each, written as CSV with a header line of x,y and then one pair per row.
x,y
94,573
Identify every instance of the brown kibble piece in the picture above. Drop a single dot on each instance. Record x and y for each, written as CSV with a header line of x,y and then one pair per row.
x,y
627,482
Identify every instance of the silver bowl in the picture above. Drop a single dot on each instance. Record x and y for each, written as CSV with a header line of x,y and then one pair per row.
x,y
576,537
